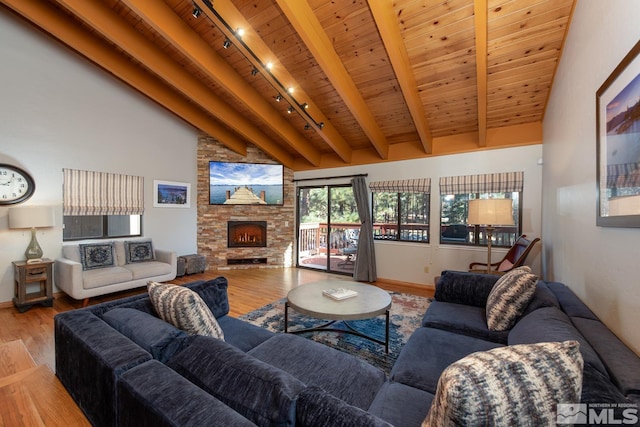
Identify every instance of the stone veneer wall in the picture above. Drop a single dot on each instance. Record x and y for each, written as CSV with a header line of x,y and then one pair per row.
x,y
212,219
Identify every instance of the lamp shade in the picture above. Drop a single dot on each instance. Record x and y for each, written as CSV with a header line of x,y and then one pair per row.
x,y
31,217
490,212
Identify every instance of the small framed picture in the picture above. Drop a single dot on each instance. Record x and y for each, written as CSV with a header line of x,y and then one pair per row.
x,y
618,145
169,194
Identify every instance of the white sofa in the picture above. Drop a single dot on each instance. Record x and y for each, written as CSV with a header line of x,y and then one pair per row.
x,y
83,284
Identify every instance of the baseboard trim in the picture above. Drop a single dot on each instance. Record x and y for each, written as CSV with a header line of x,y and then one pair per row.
x,y
406,284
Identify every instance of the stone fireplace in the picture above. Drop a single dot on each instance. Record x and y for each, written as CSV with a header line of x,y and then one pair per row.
x,y
247,234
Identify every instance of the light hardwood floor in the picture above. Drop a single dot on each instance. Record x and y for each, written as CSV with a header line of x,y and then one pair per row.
x,y
249,289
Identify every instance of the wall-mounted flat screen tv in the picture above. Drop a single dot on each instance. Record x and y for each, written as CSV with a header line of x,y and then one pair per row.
x,y
245,184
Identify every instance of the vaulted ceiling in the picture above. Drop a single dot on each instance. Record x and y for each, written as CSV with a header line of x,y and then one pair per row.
x,y
371,80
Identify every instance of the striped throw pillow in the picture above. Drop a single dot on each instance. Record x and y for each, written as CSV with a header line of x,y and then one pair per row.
x,y
184,309
509,297
518,385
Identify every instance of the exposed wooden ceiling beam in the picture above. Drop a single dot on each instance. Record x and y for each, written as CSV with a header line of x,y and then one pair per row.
x,y
481,17
53,21
162,19
223,13
387,23
304,21
112,27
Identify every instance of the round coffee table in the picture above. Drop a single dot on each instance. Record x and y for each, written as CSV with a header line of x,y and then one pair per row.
x,y
309,299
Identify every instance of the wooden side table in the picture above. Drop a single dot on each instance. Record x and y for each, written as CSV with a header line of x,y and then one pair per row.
x,y
33,284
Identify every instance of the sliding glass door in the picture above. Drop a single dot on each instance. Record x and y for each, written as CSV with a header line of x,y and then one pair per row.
x,y
328,228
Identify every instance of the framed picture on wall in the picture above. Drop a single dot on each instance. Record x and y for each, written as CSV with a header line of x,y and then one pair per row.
x,y
618,145
169,194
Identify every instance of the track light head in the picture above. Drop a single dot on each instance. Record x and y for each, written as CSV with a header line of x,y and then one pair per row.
x,y
320,125
290,110
254,72
239,32
278,98
226,43
307,126
196,11
305,105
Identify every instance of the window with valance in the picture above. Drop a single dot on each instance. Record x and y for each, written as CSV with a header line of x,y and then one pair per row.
x,y
455,193
101,204
401,209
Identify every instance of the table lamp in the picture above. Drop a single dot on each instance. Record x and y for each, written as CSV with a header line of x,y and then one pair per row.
x,y
31,217
490,212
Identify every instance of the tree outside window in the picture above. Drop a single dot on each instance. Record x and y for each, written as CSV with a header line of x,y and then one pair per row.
x,y
401,216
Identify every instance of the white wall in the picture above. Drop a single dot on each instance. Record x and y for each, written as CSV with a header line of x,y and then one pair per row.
x,y
598,263
59,111
406,262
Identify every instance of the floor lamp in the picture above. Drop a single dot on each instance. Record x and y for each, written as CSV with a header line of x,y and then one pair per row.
x,y
490,212
31,217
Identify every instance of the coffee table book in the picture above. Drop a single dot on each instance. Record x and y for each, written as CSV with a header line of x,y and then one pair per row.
x,y
339,293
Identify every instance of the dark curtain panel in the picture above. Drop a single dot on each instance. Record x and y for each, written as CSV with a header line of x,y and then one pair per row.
x,y
365,265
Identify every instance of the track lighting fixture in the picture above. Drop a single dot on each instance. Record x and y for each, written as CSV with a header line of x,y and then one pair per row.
x,y
283,92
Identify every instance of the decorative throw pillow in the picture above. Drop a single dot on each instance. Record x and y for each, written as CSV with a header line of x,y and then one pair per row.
x,y
184,309
96,255
138,251
515,385
509,297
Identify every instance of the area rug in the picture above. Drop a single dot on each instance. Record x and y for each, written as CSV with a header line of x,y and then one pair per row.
x,y
405,317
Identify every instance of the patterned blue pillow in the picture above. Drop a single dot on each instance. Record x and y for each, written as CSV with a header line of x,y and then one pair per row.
x,y
96,255
509,298
184,309
139,251
516,385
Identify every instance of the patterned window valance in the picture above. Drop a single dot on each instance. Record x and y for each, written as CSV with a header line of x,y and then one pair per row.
x,y
626,175
101,193
504,182
418,185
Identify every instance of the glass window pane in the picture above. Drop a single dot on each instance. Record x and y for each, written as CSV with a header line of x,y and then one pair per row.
x,y
455,230
401,216
123,225
78,227
414,217
453,220
82,227
385,216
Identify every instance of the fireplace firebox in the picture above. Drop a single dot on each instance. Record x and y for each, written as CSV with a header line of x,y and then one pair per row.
x,y
247,234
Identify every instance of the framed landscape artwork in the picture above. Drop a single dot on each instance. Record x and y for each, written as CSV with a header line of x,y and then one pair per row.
x,y
169,194
618,145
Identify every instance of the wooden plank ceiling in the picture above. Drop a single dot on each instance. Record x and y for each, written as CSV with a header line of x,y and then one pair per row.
x,y
372,80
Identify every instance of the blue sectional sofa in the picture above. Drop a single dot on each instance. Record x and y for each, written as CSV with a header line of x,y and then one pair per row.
x,y
124,366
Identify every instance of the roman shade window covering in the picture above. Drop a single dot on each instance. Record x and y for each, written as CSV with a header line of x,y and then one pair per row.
x,y
504,182
623,175
101,193
418,185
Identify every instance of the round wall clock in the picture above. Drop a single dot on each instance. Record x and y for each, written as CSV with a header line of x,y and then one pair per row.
x,y
16,185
